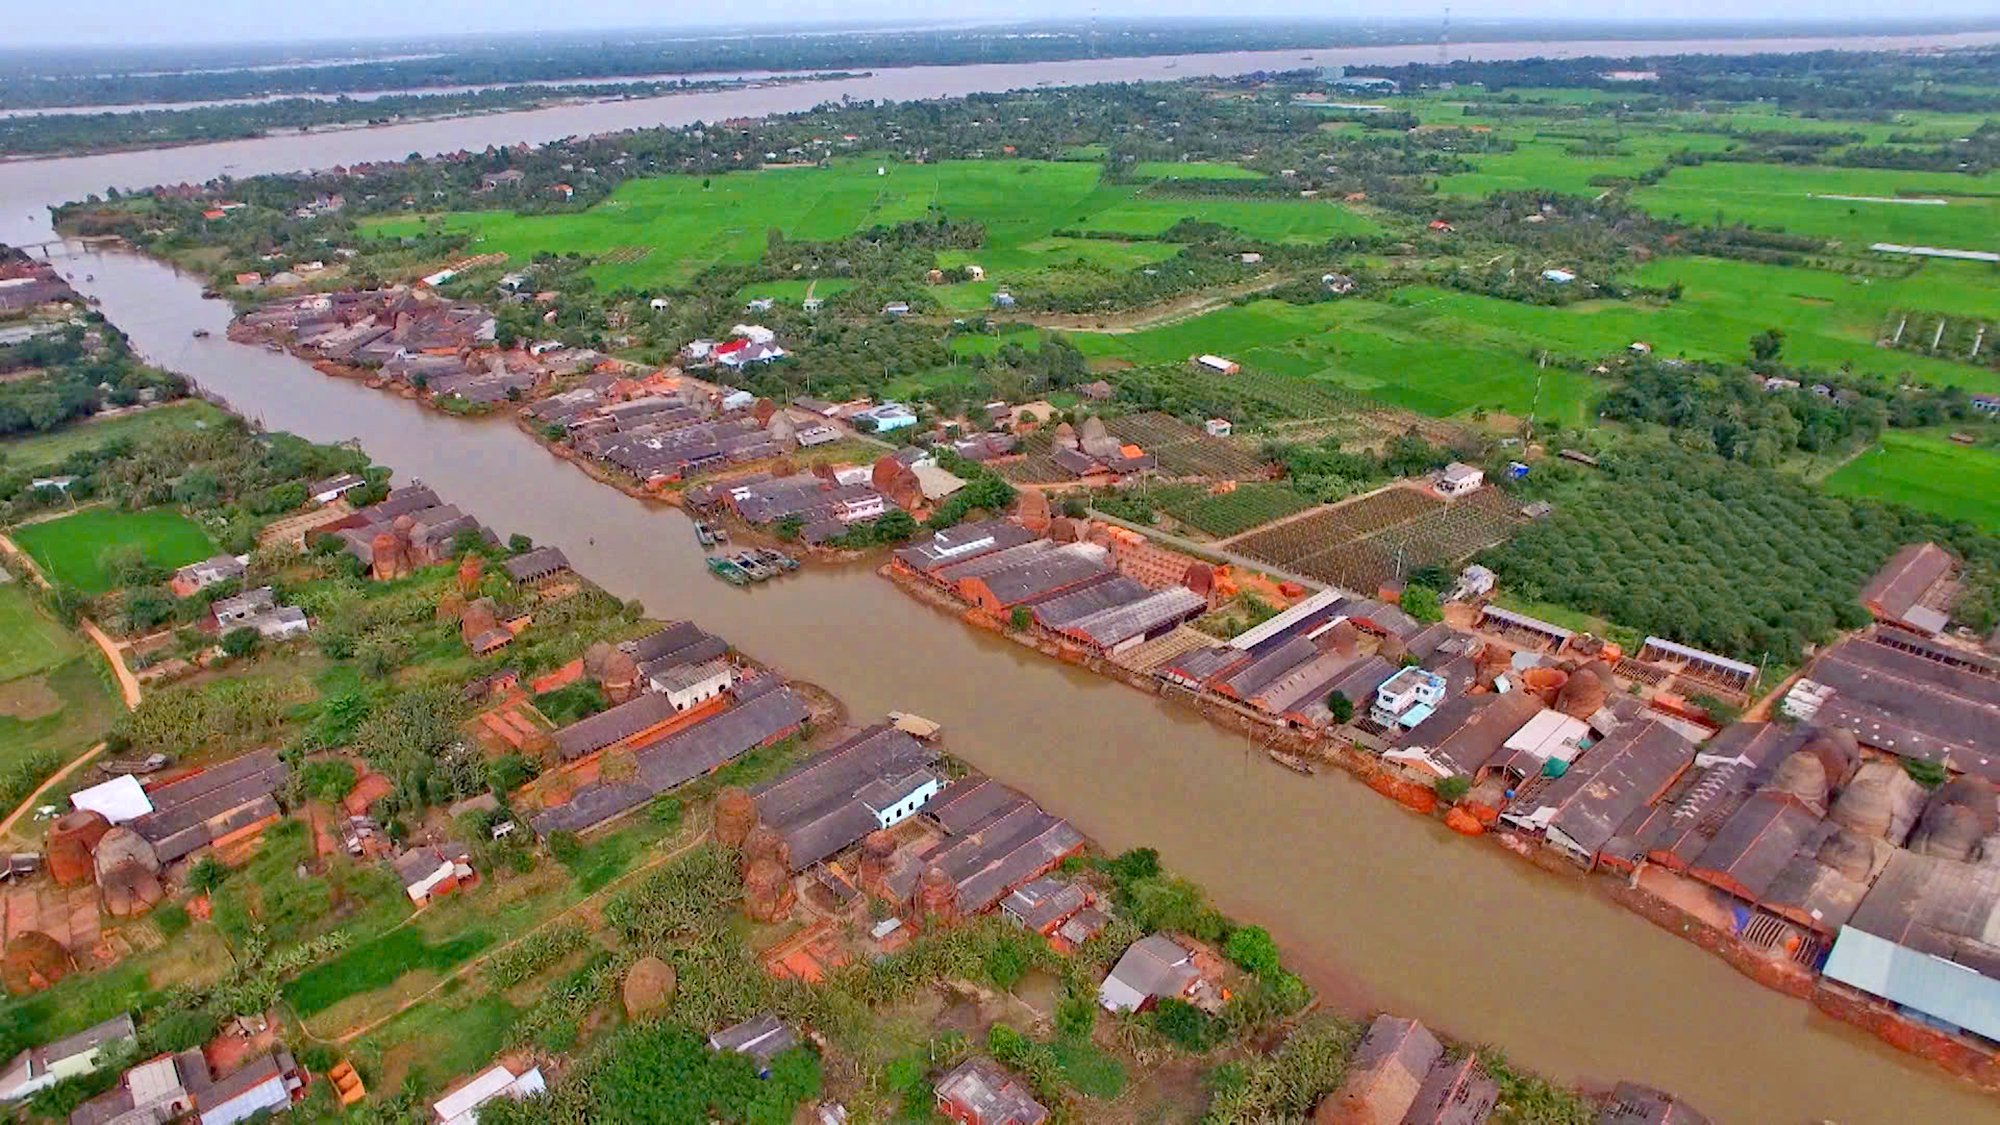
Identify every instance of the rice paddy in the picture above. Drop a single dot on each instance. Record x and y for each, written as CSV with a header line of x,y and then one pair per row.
x,y
664,230
76,549
1929,472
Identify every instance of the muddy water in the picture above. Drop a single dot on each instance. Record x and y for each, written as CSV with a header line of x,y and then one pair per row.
x,y
1380,908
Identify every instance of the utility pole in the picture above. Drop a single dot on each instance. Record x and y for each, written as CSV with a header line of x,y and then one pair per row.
x,y
1528,431
1444,38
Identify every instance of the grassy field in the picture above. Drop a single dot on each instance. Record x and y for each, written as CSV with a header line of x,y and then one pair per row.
x,y
72,549
1795,199
1416,352
53,702
791,292
54,715
1272,220
664,230
29,641
42,450
1930,472
1544,160
1191,170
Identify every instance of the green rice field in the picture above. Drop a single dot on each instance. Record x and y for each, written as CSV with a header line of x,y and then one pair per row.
x,y
73,549
1798,200
664,230
1930,472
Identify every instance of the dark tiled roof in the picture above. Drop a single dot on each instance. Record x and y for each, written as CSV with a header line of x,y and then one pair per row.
x,y
1904,580
1059,570
589,735
1615,777
681,758
1455,1092
1912,706
185,813
964,543
1754,845
816,807
538,563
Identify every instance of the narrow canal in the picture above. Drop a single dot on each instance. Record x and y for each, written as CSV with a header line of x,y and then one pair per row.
x,y
1379,907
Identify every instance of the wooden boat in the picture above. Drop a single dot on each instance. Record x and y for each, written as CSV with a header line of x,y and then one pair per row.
x,y
703,534
721,533
777,559
728,571
753,566
201,333
1291,762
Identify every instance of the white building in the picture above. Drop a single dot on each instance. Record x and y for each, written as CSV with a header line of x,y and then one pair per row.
x,y
755,333
429,871
1558,277
1218,427
461,1106
38,1068
1407,698
1460,478
894,800
1218,364
691,684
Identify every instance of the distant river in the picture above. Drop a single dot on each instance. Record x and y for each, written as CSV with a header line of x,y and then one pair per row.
x,y
28,187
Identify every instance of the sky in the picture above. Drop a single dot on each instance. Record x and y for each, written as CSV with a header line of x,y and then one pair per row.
x,y
147,22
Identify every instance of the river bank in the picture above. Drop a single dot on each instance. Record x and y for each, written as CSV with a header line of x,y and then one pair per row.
x,y
1769,967
1378,908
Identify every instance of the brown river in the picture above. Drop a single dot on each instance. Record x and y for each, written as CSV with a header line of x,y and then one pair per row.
x,y
1379,908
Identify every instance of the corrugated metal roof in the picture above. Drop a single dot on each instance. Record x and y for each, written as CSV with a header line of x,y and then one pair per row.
x,y
1936,987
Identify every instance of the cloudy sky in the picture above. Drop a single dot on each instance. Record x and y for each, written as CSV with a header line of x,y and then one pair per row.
x,y
139,22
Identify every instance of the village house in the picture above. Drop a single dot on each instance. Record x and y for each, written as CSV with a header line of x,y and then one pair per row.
x,y
1406,699
979,1092
223,806
1155,968
433,870
199,576
159,1089
1401,1075
762,1038
265,1085
1216,365
259,610
38,1068
1459,479
333,488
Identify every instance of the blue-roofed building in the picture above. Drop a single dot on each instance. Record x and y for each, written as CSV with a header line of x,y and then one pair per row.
x,y
1927,940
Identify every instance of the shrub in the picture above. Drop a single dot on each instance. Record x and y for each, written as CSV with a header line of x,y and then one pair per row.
x,y
509,772
328,781
1340,706
1452,790
207,874
1252,949
1183,1025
